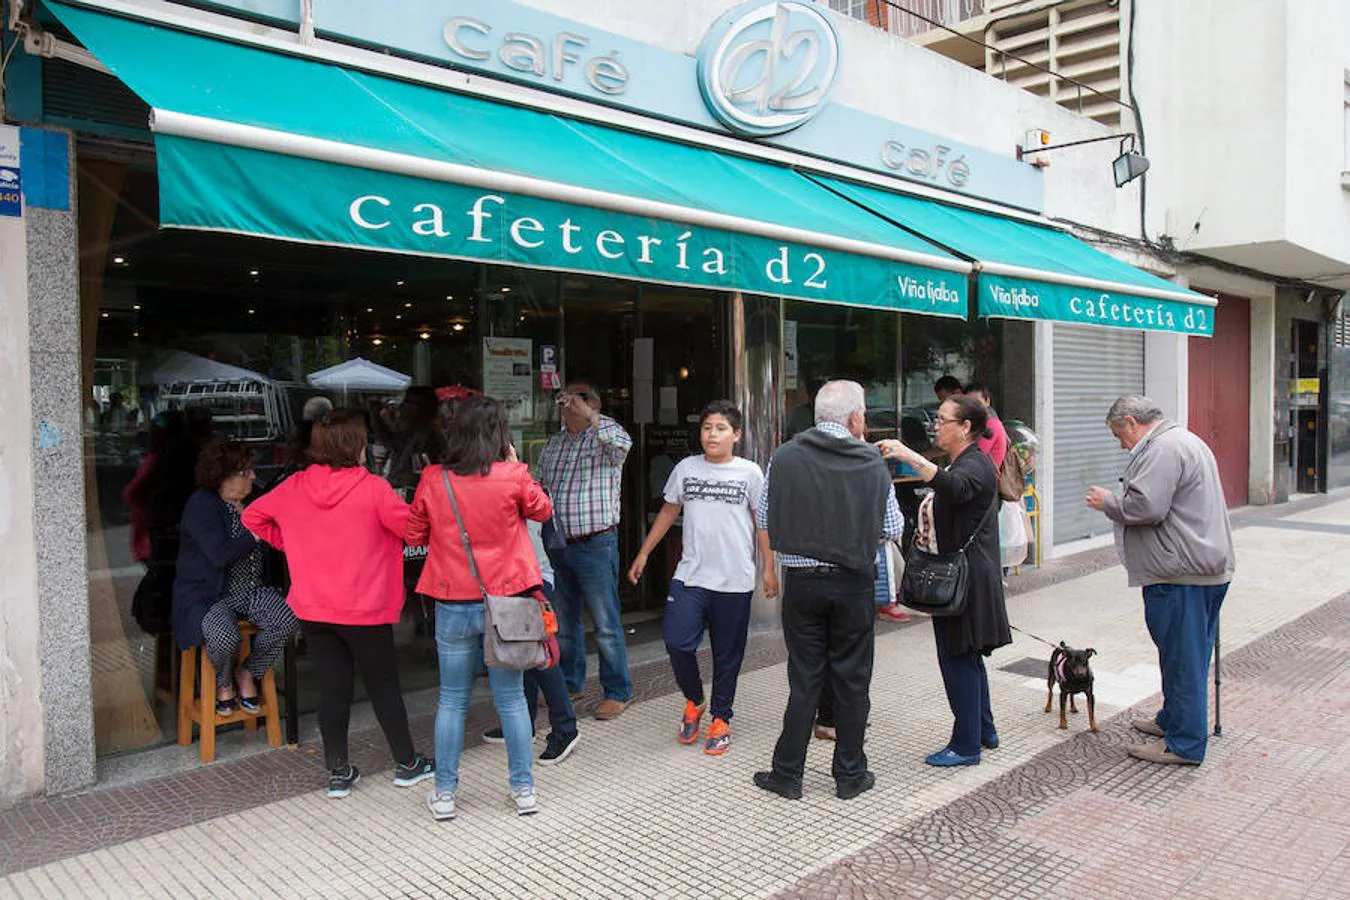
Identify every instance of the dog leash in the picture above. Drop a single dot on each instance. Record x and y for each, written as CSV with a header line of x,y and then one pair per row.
x,y
1034,637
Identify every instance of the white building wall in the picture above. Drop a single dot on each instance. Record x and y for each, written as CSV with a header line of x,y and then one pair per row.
x,y
1242,103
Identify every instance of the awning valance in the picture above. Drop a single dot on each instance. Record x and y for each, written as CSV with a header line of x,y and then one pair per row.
x,y
1030,272
260,143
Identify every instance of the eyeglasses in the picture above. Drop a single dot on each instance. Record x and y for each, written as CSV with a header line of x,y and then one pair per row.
x,y
244,472
943,420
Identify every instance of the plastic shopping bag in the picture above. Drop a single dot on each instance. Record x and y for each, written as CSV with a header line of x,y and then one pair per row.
x,y
1012,533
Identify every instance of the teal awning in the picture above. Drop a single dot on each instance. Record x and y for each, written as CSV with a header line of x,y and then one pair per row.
x,y
261,143
1030,272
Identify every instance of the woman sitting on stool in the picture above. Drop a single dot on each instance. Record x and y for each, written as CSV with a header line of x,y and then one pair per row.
x,y
219,580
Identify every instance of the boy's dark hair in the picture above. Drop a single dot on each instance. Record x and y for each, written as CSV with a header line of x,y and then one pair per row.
x,y
724,408
479,436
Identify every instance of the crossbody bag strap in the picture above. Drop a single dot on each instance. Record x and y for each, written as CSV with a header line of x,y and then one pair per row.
x,y
463,535
979,527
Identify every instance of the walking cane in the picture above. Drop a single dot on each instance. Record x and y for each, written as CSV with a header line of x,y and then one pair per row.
x,y
1218,680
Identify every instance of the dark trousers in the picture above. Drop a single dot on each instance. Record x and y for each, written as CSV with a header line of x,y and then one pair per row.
x,y
828,624
967,685
726,616
338,650
550,682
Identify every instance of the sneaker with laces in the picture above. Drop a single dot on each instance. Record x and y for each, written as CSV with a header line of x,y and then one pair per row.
x,y
524,799
559,748
420,769
719,738
341,781
689,725
442,806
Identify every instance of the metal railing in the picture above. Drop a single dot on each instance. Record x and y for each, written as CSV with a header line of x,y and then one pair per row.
x,y
946,12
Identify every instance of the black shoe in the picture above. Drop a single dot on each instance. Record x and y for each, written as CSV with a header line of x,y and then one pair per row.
x,y
847,790
559,747
249,704
990,743
494,736
420,769
783,787
341,781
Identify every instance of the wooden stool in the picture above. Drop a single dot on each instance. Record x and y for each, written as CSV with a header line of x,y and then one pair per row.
x,y
197,702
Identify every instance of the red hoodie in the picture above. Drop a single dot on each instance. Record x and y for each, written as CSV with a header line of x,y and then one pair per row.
x,y
342,533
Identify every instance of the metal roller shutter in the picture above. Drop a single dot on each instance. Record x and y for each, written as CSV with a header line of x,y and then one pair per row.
x,y
1093,366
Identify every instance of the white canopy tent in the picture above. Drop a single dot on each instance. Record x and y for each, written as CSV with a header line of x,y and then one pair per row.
x,y
359,374
182,366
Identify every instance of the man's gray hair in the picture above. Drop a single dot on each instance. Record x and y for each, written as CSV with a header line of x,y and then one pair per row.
x,y
837,400
1137,407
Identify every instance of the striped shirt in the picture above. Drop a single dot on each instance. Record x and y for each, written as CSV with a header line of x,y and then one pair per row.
x,y
892,524
583,473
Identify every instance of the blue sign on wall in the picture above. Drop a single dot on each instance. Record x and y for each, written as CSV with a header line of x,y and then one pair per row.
x,y
11,191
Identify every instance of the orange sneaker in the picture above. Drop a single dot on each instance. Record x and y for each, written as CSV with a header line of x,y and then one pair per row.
x,y
719,738
689,727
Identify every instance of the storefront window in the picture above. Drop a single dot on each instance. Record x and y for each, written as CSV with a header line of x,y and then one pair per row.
x,y
233,336
824,342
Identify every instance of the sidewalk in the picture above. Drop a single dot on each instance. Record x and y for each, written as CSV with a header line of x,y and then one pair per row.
x,y
634,814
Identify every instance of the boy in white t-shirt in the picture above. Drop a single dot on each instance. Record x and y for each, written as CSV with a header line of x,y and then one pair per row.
x,y
711,588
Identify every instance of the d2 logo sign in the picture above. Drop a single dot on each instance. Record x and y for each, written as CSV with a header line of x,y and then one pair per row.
x,y
765,68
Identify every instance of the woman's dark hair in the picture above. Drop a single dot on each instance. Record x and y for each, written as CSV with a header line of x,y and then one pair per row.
x,y
218,461
420,405
968,409
724,408
981,389
947,384
478,437
338,439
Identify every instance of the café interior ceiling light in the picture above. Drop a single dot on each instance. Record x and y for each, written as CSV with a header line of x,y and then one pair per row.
x,y
119,260
458,326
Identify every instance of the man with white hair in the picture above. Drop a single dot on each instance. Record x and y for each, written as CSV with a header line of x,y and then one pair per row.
x,y
1175,541
826,503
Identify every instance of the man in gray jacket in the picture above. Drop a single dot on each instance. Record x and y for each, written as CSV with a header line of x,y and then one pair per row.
x,y
1174,539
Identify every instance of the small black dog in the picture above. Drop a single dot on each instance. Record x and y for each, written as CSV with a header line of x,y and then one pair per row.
x,y
1070,670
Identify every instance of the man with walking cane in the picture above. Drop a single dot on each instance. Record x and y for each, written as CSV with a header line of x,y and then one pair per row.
x,y
1175,541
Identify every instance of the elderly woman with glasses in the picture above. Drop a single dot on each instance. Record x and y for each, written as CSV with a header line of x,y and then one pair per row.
x,y
219,580
963,507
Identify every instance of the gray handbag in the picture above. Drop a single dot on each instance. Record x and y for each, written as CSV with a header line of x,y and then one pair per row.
x,y
513,627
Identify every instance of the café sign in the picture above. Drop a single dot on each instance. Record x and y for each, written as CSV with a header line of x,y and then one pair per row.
x,y
764,70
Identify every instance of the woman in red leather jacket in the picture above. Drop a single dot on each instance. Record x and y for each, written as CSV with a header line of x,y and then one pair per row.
x,y
496,494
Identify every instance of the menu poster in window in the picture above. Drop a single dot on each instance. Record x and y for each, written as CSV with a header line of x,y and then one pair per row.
x,y
508,376
790,354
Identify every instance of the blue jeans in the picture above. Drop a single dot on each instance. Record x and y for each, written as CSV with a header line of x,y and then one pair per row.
x,y
1181,619
587,575
459,644
727,617
967,684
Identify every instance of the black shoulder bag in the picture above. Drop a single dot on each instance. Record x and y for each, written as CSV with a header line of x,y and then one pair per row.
x,y
937,583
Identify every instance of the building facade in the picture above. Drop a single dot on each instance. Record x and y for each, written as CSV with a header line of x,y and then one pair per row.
x,y
227,208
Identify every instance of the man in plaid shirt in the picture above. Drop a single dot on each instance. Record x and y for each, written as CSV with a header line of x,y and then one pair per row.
x,y
582,469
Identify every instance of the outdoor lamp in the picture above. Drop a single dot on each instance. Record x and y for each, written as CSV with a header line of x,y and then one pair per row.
x,y
1129,165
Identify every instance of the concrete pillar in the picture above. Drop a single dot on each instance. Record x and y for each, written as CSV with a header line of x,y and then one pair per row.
x,y
1267,427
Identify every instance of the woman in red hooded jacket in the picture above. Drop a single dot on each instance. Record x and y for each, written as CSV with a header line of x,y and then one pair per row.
x,y
341,529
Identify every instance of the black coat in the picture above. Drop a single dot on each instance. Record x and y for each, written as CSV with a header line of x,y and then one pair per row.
x,y
967,492
205,554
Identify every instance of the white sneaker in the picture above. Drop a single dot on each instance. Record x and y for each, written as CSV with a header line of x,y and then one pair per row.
x,y
524,799
442,806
